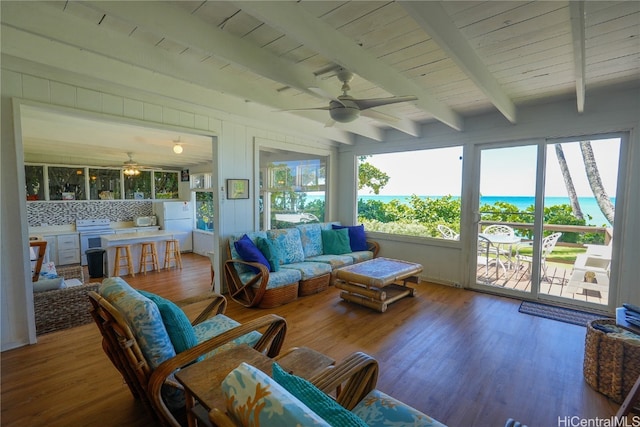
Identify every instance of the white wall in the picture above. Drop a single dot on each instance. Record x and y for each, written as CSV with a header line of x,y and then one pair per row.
x,y
23,82
447,262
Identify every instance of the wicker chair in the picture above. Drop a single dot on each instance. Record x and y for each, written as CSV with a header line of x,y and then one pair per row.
x,y
147,384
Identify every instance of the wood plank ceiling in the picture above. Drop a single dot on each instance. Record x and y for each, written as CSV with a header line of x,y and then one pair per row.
x,y
458,58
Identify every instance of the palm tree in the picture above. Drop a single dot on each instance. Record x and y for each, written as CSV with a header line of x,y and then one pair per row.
x,y
591,168
568,182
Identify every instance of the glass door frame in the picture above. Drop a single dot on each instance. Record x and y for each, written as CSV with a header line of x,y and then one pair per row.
x,y
473,219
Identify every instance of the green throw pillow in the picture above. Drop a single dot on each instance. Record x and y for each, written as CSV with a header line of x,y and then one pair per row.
x,y
177,324
319,402
270,252
336,242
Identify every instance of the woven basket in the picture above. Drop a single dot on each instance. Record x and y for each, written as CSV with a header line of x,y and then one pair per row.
x,y
313,286
279,296
63,308
611,365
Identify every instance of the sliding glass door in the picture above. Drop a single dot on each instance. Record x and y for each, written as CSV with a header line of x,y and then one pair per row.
x,y
545,220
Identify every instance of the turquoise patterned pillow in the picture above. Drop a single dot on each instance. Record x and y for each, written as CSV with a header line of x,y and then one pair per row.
x,y
255,399
143,317
319,402
177,323
288,244
311,239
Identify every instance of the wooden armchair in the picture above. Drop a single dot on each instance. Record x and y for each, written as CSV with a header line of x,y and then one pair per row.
x,y
147,384
39,249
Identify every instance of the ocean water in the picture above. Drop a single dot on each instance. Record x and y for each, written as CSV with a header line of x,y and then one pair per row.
x,y
588,205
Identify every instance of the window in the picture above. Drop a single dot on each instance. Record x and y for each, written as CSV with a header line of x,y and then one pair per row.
x,y
292,189
34,181
104,184
138,187
204,210
411,193
66,183
166,185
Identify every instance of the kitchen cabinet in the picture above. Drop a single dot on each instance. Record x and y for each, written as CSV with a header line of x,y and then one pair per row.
x,y
51,255
68,249
136,229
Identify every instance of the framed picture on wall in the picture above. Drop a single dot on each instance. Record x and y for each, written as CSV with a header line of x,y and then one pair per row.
x,y
237,189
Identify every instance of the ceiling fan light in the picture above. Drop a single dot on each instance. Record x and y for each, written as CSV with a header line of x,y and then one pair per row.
x,y
131,172
177,148
344,115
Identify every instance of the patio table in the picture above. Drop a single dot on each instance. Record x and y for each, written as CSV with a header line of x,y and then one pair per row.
x,y
498,241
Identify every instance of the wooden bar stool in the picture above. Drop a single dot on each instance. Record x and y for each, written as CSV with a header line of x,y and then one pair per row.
x,y
148,249
123,256
172,253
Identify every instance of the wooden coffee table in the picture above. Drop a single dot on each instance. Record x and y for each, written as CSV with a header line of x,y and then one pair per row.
x,y
374,284
202,380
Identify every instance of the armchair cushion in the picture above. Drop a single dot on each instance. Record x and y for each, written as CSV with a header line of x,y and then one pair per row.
x,y
380,409
248,251
336,242
357,237
177,323
143,317
219,324
319,402
255,399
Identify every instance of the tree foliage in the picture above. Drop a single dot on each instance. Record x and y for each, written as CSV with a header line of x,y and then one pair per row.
x,y
370,176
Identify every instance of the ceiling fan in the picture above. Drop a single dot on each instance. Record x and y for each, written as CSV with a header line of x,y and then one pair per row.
x,y
345,108
131,167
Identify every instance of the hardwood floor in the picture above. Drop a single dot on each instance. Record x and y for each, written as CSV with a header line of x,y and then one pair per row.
x,y
465,358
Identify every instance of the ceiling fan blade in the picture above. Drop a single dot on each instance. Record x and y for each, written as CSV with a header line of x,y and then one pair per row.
x,y
330,123
363,104
304,109
380,116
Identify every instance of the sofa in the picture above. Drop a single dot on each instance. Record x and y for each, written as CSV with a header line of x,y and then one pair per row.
x,y
58,307
274,267
253,398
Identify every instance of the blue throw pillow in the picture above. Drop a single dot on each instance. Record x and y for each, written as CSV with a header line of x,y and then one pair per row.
x,y
335,242
357,238
177,324
319,402
248,251
270,252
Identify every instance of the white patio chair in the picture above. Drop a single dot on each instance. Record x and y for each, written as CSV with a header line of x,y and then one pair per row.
x,y
448,233
548,244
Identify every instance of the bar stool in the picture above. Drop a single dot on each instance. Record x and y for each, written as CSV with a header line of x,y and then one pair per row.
x,y
172,253
148,250
123,256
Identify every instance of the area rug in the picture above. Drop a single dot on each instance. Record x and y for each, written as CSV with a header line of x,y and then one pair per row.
x,y
567,315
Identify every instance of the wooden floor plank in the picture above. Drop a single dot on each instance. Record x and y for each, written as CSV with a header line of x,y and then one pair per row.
x,y
465,358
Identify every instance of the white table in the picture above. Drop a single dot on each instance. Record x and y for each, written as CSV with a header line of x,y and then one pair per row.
x,y
499,240
109,241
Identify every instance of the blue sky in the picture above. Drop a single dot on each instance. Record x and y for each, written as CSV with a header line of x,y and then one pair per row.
x,y
505,171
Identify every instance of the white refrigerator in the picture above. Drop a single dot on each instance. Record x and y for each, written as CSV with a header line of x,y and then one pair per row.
x,y
176,216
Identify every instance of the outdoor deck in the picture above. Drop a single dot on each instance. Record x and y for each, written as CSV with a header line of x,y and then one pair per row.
x,y
554,284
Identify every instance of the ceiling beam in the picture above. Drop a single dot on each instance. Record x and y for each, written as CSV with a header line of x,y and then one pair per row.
x,y
576,11
179,25
30,19
291,19
435,21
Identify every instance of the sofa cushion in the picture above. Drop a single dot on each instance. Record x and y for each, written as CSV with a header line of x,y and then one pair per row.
x,y
270,252
360,256
335,261
177,323
379,409
311,239
43,285
288,243
249,252
357,237
218,324
143,317
309,270
336,242
319,402
255,399
277,279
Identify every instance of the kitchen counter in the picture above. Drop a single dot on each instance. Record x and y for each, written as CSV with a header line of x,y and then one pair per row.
x,y
109,241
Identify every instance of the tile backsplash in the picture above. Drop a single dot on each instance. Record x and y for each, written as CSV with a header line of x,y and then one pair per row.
x,y
67,212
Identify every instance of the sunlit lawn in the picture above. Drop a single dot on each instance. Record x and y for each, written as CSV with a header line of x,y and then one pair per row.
x,y
560,254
